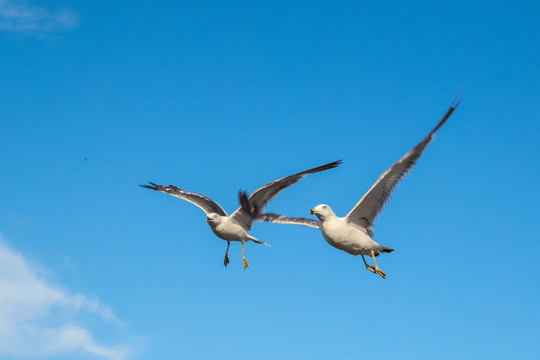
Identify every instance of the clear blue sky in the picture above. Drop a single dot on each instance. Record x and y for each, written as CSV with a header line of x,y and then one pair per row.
x,y
99,97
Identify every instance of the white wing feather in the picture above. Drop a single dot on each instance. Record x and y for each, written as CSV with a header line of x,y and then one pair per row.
x,y
280,219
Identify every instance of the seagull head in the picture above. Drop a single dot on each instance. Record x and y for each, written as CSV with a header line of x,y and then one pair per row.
x,y
322,211
213,219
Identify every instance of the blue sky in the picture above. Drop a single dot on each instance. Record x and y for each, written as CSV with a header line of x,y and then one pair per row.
x,y
99,97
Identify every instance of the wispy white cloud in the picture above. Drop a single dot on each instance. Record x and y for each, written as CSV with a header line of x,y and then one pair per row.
x,y
37,318
24,17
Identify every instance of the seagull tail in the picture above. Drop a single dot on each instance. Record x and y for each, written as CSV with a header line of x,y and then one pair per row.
x,y
386,249
255,240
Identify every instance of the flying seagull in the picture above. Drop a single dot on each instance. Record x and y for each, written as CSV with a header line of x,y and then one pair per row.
x,y
236,226
354,232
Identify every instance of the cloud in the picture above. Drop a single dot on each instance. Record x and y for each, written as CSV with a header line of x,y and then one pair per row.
x,y
21,16
37,318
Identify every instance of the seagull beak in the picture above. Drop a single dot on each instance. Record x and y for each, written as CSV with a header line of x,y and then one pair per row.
x,y
208,220
312,212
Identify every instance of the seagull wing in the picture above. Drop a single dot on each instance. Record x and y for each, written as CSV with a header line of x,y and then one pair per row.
x,y
253,206
280,219
205,203
366,210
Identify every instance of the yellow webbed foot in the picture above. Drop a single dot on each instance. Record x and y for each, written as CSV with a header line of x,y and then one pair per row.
x,y
226,261
377,270
380,272
246,265
371,268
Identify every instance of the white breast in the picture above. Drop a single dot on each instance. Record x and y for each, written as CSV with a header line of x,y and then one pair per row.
x,y
230,230
340,234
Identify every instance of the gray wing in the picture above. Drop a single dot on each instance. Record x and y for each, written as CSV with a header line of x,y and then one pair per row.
x,y
205,203
253,206
366,210
280,219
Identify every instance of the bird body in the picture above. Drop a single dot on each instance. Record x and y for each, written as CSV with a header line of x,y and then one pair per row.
x,y
338,233
236,226
354,232
226,228
345,235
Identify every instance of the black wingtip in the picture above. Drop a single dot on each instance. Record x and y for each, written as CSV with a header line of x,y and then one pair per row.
x,y
457,100
324,167
453,106
334,164
152,186
242,196
244,202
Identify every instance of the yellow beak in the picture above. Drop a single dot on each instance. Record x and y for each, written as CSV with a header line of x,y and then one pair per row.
x,y
312,211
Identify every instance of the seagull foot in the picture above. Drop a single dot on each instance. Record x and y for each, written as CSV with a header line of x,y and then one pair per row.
x,y
246,265
380,272
372,269
226,261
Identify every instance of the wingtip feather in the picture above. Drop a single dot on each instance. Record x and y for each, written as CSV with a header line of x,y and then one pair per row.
x,y
457,100
244,202
148,186
453,106
324,167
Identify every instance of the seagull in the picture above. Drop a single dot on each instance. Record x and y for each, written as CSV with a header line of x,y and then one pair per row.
x,y
354,232
236,226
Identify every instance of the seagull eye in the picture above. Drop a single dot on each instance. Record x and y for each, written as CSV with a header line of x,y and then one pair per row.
x,y
325,207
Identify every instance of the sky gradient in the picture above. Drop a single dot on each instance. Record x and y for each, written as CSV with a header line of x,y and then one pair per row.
x,y
99,97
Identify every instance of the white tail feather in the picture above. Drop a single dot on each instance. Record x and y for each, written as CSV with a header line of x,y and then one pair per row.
x,y
255,240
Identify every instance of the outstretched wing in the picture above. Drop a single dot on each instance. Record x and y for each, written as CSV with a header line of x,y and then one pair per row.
x,y
366,210
205,203
253,206
280,219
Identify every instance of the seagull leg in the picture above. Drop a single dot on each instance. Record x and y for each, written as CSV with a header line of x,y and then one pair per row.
x,y
246,265
377,270
369,267
226,260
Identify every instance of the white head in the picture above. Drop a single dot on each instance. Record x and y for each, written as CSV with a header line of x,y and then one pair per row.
x,y
322,211
213,219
